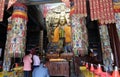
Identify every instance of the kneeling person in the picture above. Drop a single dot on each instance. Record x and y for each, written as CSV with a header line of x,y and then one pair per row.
x,y
41,71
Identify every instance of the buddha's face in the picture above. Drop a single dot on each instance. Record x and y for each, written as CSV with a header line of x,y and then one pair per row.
x,y
56,19
62,20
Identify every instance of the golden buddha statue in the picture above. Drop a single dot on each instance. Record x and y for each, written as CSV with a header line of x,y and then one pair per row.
x,y
62,33
58,29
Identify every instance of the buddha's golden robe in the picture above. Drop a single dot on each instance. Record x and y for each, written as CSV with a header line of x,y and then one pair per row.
x,y
67,34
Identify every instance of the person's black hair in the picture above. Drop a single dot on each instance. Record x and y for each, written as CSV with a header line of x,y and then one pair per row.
x,y
37,53
27,53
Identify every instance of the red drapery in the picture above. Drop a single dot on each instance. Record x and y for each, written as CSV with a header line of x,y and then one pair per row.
x,y
2,9
102,10
10,3
2,5
80,7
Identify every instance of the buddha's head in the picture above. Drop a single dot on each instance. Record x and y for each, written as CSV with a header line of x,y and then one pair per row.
x,y
62,20
56,19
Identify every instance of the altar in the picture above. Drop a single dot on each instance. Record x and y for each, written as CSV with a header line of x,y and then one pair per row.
x,y
59,68
59,64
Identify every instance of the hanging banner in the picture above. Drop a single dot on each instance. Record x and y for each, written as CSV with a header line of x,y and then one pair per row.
x,y
80,8
117,18
79,35
116,7
16,38
2,9
10,3
102,10
108,58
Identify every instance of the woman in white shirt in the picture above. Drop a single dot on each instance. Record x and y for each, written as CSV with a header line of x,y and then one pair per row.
x,y
36,60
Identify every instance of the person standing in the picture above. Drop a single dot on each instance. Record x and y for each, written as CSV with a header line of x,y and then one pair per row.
x,y
36,60
27,60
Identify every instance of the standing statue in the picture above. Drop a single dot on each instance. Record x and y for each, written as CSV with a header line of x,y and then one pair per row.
x,y
59,29
62,34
